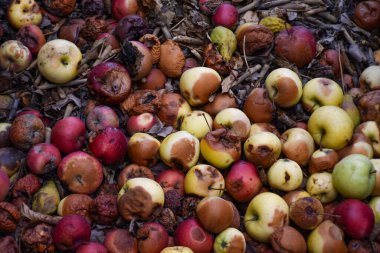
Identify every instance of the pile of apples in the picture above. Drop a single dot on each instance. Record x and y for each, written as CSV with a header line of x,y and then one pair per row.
x,y
225,179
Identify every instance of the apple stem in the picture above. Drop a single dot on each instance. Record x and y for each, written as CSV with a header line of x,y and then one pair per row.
x,y
217,189
341,71
166,32
244,54
47,134
131,225
12,113
69,109
204,116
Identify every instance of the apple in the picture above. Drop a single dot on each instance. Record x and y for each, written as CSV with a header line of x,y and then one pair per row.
x,y
190,233
172,109
109,40
172,180
110,145
198,123
80,172
285,175
265,213
351,108
155,80
370,78
4,134
14,56
330,127
293,196
258,106
290,42
177,249
204,180
122,8
120,240
354,177
152,237
374,203
32,37
23,12
323,159
371,130
355,217
141,198
262,149
307,212
230,240
297,145
101,117
5,185
288,239
320,185
75,204
235,120
143,149
376,167
243,181
92,247
225,15
43,158
263,127
58,61
327,237
132,171
284,87
360,144
220,102
11,160
68,134
140,123
180,150
319,92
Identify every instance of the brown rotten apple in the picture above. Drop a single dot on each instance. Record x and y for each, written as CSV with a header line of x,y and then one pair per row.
x,y
258,107
172,109
101,117
132,171
235,120
120,241
143,149
80,172
152,237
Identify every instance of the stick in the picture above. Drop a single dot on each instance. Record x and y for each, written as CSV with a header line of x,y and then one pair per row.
x,y
248,7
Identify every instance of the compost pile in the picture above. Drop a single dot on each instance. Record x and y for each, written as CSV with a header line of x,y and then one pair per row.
x,y
189,126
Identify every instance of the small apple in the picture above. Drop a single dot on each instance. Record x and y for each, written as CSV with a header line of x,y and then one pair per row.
x,y
319,92
263,127
355,217
68,134
220,102
371,130
307,213
262,149
5,184
204,180
370,78
43,158
354,177
225,15
101,117
374,203
235,120
152,237
198,123
285,175
75,204
140,123
172,180
143,149
330,127
58,61
173,108
258,106
14,56
243,181
122,8
265,213
320,186
230,240
360,144
297,145
376,167
284,87
293,196
23,12
32,37
177,249
120,240
327,237
323,159
92,247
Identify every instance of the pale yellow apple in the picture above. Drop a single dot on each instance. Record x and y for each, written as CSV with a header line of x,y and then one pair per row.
x,y
229,241
198,123
265,213
297,145
351,108
177,249
326,238
24,12
331,127
320,186
14,56
263,127
319,92
370,78
58,61
285,175
235,120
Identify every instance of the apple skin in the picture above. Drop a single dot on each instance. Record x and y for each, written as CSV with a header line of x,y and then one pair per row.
x,y
122,8
284,87
101,117
235,120
68,134
353,176
172,180
285,175
140,123
177,249
190,233
32,37
198,123
331,127
24,12
370,78
297,145
355,217
265,213
320,186
374,203
14,56
5,184
371,130
58,61
229,241
152,237
43,158
376,167
243,181
319,92
92,247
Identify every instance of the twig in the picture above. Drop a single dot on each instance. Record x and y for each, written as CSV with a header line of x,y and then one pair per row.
x,y
341,71
34,216
315,11
246,74
244,54
188,40
47,134
166,32
285,119
56,27
47,86
347,36
32,65
69,109
328,16
156,31
248,7
12,113
273,4
176,25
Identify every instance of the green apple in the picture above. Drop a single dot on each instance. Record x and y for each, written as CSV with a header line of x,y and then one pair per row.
x,y
320,186
326,238
265,213
374,203
376,167
354,177
285,175
319,92
331,127
230,240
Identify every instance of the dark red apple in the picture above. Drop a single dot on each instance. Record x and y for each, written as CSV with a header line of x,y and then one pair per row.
x,y
191,234
297,45
43,158
140,123
355,217
71,232
68,134
101,117
172,180
110,146
32,37
92,247
225,15
243,181
122,8
5,184
120,241
152,237
109,40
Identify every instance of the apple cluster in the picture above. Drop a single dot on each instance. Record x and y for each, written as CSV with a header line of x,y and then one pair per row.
x,y
162,158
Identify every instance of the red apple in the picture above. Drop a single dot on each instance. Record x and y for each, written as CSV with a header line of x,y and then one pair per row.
x,y
92,247
101,117
71,232
191,234
122,8
289,44
140,123
109,40
120,241
225,15
32,37
152,237
43,158
243,181
172,180
355,217
5,184
110,146
68,134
